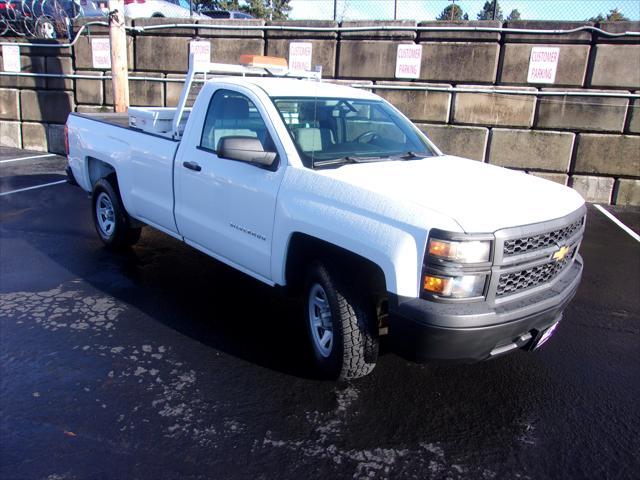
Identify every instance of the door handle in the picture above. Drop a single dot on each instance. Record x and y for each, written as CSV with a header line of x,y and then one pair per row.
x,y
192,166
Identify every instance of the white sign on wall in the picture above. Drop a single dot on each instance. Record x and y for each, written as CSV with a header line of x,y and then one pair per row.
x,y
408,61
101,53
201,50
543,64
11,58
300,56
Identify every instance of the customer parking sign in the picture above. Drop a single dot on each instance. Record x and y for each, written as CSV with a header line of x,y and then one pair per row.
x,y
543,64
408,60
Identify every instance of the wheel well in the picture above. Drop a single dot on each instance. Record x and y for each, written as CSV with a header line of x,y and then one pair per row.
x,y
304,249
99,169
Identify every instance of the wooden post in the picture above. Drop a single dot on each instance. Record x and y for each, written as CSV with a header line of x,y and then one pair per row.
x,y
119,67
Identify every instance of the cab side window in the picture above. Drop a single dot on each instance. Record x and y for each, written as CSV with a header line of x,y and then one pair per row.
x,y
232,114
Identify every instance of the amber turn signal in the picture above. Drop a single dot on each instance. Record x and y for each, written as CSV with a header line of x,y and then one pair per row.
x,y
439,248
436,284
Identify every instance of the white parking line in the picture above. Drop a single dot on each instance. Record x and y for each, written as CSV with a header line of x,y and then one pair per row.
x,y
28,158
633,234
32,188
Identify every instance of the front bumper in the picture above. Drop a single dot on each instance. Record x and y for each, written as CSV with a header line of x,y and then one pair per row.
x,y
473,332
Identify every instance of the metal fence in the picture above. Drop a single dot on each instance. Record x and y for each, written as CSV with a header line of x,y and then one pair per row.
x,y
53,18
570,10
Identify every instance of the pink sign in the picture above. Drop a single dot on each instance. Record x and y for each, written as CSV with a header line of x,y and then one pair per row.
x,y
408,61
543,64
300,56
101,53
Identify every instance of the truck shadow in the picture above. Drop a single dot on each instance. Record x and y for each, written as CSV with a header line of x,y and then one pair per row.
x,y
167,281
214,304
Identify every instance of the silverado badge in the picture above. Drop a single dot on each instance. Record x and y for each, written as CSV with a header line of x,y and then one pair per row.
x,y
560,254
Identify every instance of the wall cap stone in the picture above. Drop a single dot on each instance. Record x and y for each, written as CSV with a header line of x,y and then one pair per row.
x,y
153,21
618,27
213,32
299,33
78,23
379,34
577,37
426,35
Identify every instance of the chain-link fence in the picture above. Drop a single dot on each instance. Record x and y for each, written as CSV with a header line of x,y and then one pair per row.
x,y
576,10
52,18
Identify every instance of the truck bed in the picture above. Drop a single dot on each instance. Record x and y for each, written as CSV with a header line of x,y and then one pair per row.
x,y
150,120
142,160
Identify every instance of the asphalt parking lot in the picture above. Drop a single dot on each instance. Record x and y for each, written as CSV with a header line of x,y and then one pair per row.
x,y
162,363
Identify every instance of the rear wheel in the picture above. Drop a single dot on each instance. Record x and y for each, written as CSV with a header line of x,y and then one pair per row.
x,y
110,218
340,325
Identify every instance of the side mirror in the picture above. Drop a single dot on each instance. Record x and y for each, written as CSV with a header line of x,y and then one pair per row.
x,y
245,149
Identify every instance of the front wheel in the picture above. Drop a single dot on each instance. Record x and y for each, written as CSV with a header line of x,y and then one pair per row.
x,y
340,325
110,218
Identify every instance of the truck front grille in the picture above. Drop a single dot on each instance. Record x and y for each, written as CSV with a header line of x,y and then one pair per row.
x,y
510,283
530,243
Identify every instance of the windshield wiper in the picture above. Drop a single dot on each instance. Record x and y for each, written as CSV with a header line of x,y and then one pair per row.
x,y
346,160
410,155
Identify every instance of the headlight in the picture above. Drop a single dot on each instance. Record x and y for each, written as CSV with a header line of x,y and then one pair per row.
x,y
465,286
474,251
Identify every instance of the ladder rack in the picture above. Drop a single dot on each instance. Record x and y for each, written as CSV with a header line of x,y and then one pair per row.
x,y
205,68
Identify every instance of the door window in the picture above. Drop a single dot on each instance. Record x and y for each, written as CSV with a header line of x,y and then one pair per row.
x,y
232,114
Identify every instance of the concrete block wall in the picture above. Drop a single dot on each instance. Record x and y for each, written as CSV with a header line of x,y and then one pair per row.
x,y
591,143
34,109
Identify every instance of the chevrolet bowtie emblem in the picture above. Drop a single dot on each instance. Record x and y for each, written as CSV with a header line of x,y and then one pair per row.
x,y
560,254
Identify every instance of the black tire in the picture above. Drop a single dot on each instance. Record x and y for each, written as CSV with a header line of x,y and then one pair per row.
x,y
354,345
121,234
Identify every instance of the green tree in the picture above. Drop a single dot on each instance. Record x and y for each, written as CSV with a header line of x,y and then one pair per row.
x,y
487,11
614,15
268,9
452,12
514,15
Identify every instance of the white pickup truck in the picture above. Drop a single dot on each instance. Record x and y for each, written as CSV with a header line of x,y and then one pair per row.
x,y
333,193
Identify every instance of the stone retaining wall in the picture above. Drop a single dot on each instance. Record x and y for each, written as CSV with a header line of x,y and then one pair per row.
x,y
590,143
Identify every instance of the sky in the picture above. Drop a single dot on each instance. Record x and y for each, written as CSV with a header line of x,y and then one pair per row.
x,y
429,9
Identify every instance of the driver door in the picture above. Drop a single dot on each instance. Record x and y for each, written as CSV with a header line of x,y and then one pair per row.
x,y
226,207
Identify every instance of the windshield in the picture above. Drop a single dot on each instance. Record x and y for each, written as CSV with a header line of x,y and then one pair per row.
x,y
334,131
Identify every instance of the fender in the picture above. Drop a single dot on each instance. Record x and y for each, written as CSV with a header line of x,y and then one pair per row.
x,y
375,227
